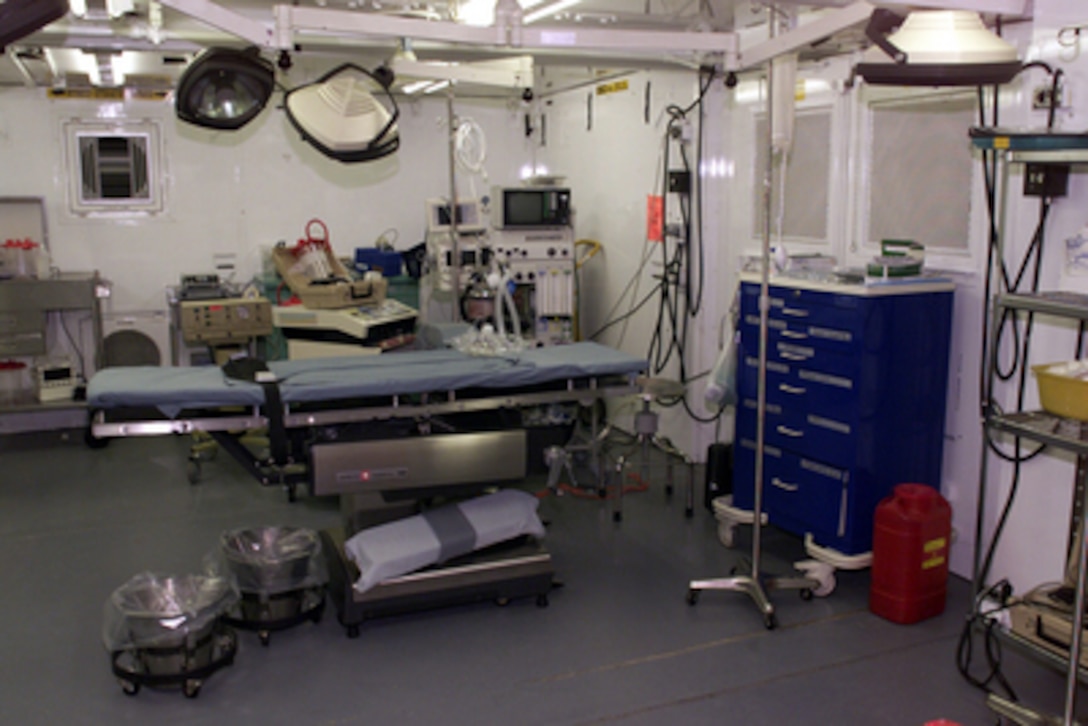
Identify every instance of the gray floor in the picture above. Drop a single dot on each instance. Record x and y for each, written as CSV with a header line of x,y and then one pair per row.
x,y
618,643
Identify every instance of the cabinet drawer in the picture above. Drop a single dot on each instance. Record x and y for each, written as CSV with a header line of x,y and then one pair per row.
x,y
839,360
800,494
807,317
794,387
802,332
808,433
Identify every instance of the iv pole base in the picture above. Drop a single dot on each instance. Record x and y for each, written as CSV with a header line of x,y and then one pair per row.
x,y
748,585
755,588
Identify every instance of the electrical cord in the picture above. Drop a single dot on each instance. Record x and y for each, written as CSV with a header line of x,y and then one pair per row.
x,y
983,618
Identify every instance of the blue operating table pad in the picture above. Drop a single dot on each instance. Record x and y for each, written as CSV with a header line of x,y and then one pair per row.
x,y
172,390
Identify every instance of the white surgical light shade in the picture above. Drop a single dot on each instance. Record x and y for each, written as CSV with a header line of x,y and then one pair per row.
x,y
941,48
340,117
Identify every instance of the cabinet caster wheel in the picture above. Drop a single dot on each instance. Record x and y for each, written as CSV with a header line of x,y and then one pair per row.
x,y
129,688
191,689
602,493
353,631
542,601
617,516
692,597
264,636
291,495
318,614
92,441
689,512
668,491
805,593
770,621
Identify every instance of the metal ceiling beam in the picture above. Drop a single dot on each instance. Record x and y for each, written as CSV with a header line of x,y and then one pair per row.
x,y
825,26
228,21
507,73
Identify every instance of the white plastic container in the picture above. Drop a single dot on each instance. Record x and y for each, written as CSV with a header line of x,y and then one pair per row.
x,y
13,382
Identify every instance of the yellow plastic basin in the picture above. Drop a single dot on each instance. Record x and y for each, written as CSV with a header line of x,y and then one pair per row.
x,y
1063,388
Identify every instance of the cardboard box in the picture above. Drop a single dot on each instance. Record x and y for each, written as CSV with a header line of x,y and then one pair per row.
x,y
1046,626
338,290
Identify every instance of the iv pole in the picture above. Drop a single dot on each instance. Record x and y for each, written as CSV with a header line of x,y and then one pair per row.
x,y
755,584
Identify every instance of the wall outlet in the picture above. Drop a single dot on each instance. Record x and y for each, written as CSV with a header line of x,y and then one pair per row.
x,y
1040,97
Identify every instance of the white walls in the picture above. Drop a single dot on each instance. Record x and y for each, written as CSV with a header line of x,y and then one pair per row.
x,y
610,147
237,192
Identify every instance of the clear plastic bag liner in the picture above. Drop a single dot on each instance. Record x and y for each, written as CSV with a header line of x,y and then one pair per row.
x,y
270,560
165,611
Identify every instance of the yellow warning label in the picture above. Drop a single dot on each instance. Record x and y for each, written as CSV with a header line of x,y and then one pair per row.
x,y
933,562
612,87
107,94
1001,142
935,544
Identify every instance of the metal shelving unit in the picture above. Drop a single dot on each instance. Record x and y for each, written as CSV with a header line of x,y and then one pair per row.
x,y
1037,426
1063,433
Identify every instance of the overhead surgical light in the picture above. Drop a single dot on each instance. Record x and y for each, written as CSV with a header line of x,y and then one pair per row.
x,y
340,117
20,18
224,88
936,48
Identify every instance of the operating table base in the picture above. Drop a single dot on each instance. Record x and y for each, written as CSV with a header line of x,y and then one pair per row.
x,y
518,569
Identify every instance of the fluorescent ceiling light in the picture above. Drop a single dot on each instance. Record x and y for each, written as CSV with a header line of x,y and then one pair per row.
x,y
341,118
436,86
416,86
482,12
936,48
547,10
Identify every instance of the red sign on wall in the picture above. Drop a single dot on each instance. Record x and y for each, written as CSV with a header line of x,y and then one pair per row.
x,y
655,222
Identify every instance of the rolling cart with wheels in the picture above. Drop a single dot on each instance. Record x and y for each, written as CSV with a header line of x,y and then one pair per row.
x,y
280,573
167,631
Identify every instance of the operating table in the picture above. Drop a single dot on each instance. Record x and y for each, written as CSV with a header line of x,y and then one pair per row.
x,y
384,433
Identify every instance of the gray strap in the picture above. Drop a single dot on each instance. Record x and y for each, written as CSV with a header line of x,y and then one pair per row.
x,y
455,533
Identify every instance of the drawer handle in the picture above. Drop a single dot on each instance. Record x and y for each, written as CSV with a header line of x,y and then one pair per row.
x,y
793,356
787,431
795,390
794,334
784,485
795,312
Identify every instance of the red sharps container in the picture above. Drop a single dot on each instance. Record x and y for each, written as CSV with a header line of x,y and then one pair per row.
x,y
911,532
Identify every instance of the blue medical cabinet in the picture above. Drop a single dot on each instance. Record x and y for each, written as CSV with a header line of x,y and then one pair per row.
x,y
856,384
